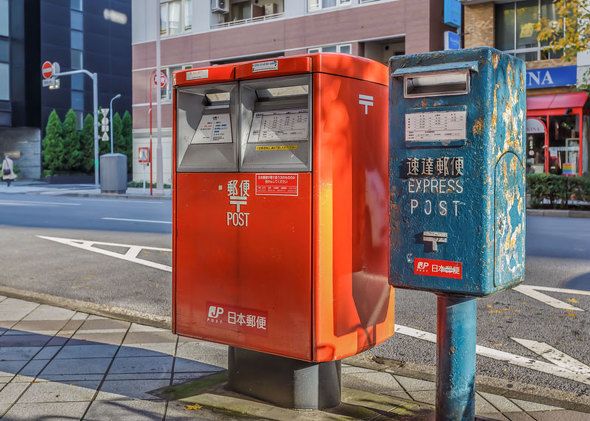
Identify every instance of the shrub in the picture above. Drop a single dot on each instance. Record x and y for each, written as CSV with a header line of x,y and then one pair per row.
x,y
558,190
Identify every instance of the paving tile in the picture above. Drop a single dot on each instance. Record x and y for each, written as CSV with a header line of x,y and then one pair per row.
x,y
184,365
69,378
425,396
501,403
78,366
27,340
142,365
139,376
371,381
86,351
429,397
130,389
518,416
533,406
187,377
150,337
31,370
45,327
47,353
414,385
46,313
12,391
482,406
143,328
17,353
12,309
60,392
86,338
103,325
147,349
47,411
10,368
496,416
560,415
123,410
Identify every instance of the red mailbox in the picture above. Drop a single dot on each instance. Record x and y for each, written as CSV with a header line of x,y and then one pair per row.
x,y
281,220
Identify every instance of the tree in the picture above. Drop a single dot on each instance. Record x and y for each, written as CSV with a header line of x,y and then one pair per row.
x,y
53,145
87,145
71,143
127,134
569,31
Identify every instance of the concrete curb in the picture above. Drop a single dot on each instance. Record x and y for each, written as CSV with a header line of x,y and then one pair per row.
x,y
558,213
515,390
114,196
114,312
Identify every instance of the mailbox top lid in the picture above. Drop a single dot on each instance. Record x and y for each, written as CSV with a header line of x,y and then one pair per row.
x,y
204,75
330,63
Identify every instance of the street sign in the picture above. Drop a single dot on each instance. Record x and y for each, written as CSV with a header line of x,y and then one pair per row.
x,y
452,41
163,80
47,70
104,111
143,156
105,137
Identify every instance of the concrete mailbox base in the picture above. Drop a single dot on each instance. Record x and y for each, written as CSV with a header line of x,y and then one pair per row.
x,y
284,381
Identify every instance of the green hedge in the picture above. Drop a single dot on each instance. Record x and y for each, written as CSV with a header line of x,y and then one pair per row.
x,y
558,190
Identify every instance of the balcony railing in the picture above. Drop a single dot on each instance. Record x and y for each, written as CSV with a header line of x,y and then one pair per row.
x,y
245,21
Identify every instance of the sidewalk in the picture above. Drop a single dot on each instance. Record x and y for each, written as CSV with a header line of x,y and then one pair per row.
x,y
77,190
71,365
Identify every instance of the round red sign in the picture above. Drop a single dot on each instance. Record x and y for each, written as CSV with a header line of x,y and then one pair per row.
x,y
47,70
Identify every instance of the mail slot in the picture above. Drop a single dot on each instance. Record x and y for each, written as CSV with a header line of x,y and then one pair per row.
x,y
281,235
457,171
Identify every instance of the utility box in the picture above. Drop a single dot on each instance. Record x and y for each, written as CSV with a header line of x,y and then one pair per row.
x,y
113,173
457,171
280,197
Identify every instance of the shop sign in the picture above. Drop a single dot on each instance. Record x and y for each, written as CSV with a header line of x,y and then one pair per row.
x,y
452,41
551,77
452,13
534,126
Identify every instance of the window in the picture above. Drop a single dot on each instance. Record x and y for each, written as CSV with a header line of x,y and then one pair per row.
x,y
4,18
166,92
76,20
340,48
77,5
77,40
78,82
77,100
77,59
176,16
313,5
4,50
515,28
4,82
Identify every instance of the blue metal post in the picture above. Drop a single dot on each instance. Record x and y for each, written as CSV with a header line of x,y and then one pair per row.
x,y
456,341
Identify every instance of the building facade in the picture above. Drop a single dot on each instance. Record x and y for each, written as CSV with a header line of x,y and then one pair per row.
x,y
94,35
557,110
196,33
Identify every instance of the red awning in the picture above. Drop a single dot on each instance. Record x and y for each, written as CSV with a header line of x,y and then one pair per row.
x,y
555,101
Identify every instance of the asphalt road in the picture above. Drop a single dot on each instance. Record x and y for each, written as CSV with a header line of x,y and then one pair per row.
x,y
558,256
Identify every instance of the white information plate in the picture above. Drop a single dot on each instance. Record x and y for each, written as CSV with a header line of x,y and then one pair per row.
x,y
436,126
280,126
213,128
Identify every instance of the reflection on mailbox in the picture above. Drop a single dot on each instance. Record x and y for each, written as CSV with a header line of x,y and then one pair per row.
x,y
457,171
281,236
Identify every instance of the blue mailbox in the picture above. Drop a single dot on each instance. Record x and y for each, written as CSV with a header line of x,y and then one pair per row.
x,y
457,171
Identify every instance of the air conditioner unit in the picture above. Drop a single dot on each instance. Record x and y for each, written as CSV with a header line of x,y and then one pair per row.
x,y
220,6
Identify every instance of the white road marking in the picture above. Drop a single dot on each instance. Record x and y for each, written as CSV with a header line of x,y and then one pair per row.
x,y
130,255
147,221
568,367
31,203
532,291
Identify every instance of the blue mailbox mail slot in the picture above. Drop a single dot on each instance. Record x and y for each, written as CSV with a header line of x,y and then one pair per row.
x,y
457,121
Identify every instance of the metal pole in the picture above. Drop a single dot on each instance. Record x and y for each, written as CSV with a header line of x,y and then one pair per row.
x,y
455,353
159,155
95,106
111,119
